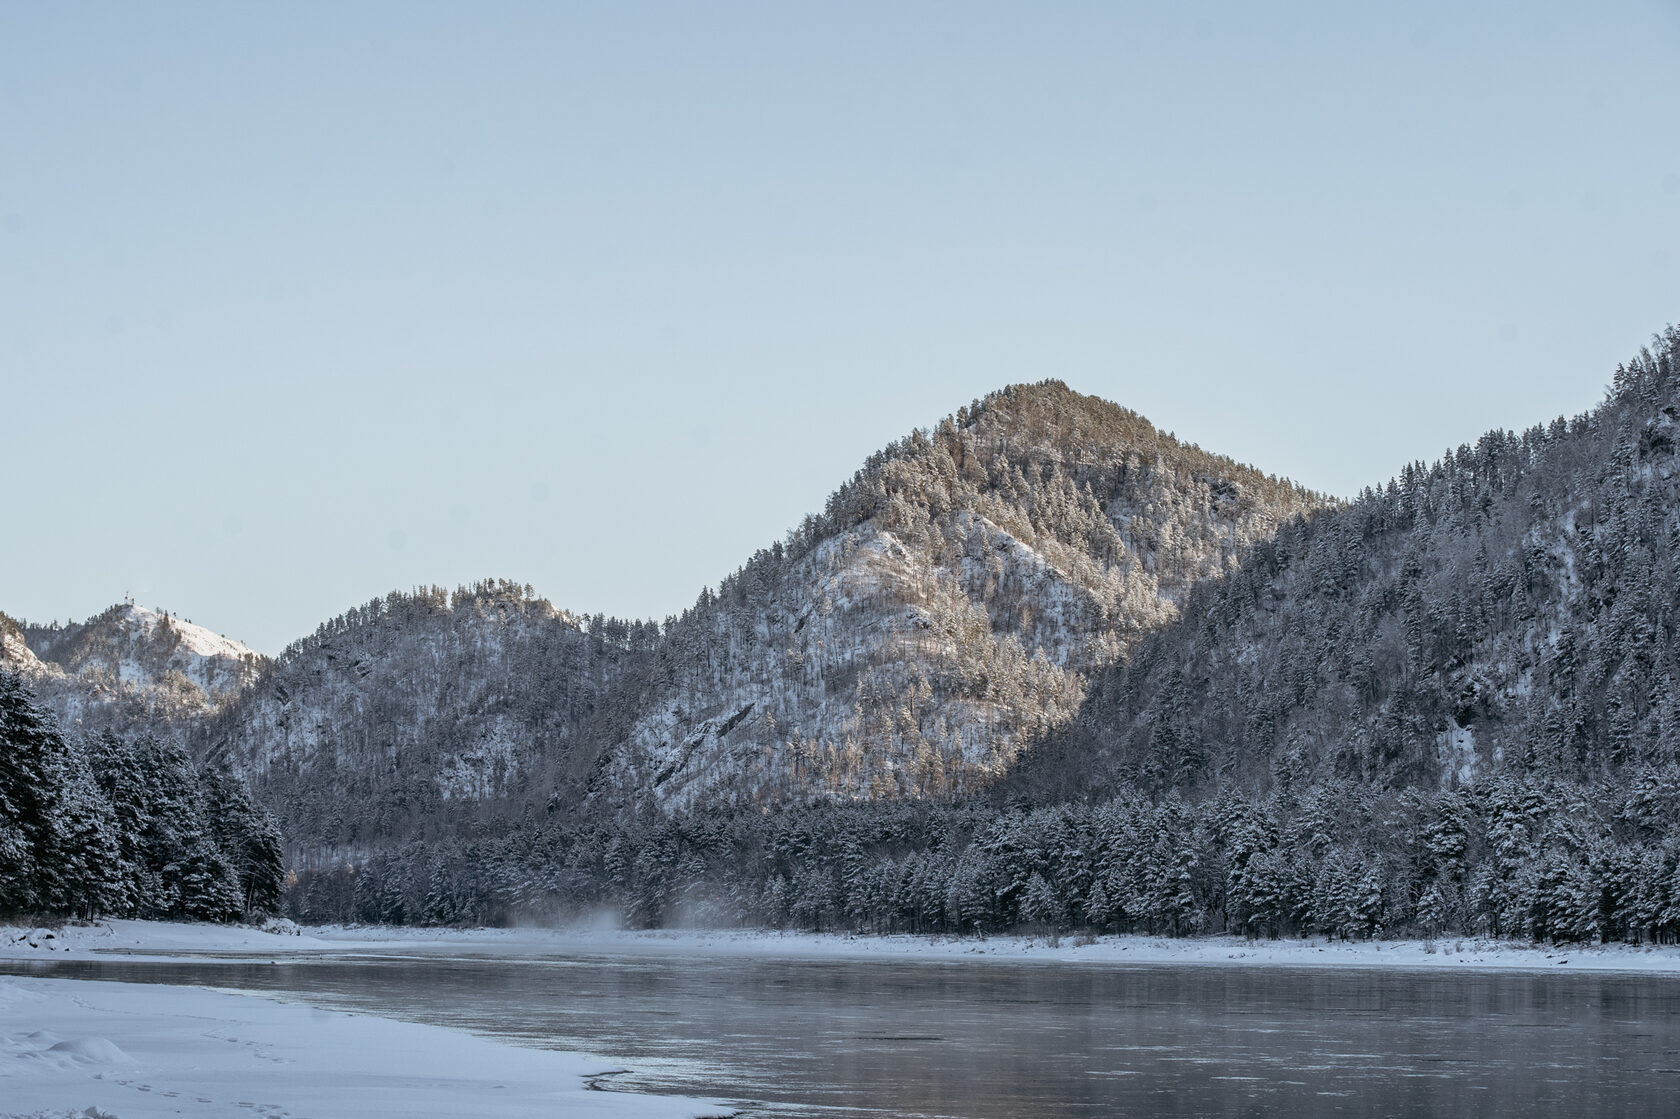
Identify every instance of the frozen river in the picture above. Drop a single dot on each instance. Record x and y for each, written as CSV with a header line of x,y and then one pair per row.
x,y
985,1039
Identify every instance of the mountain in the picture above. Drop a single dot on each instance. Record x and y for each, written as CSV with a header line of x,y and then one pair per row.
x,y
941,614
1448,706
424,714
127,667
1512,608
946,609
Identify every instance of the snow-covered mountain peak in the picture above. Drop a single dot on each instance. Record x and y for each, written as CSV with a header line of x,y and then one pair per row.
x,y
191,640
130,663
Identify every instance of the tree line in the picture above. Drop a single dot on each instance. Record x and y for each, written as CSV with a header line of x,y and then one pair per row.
x,y
1540,859
103,825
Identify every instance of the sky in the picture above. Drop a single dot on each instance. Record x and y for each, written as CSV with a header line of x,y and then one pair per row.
x,y
303,303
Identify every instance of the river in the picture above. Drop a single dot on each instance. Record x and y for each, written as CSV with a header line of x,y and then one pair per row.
x,y
850,1038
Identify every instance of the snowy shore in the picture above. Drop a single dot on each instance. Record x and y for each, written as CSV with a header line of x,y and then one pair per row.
x,y
1450,953
100,1050
164,940
137,1051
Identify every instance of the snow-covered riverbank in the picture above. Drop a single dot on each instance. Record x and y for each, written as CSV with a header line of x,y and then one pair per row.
x,y
137,1051
164,940
1447,953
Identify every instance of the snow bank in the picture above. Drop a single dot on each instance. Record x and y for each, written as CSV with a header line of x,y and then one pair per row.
x,y
169,940
156,938
1446,953
138,1051
164,940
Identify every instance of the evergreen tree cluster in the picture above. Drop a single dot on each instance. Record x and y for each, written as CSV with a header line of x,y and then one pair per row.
x,y
108,826
1533,858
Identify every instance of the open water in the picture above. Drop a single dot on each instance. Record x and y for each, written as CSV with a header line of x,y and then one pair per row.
x,y
848,1038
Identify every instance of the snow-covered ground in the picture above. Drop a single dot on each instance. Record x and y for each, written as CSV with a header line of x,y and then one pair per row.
x,y
164,940
153,938
1450,952
137,1051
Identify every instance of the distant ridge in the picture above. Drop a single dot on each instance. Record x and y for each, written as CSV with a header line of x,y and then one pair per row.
x,y
128,666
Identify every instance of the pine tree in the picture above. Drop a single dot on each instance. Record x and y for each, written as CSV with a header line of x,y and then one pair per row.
x,y
57,850
249,838
21,730
203,881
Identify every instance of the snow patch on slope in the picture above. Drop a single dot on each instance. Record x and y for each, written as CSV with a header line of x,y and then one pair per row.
x,y
214,663
1456,749
15,653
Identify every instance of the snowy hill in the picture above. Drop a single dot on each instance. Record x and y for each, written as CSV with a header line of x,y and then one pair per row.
x,y
129,665
418,713
1510,608
947,608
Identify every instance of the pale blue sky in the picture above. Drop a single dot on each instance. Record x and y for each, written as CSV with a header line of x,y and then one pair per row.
x,y
302,303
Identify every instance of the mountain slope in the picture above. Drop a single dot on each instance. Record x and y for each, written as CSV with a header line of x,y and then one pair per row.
x,y
946,609
128,666
1445,708
1512,608
423,713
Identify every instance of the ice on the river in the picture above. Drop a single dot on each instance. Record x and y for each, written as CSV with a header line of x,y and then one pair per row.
x,y
138,1051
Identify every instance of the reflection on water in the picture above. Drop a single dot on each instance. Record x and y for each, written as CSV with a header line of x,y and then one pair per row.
x,y
996,1040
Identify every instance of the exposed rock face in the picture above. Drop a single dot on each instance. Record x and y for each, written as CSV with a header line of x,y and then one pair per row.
x,y
15,653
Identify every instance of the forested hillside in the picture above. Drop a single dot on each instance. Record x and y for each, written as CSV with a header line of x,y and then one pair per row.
x,y
946,609
1040,666
1512,608
426,714
941,614
99,825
